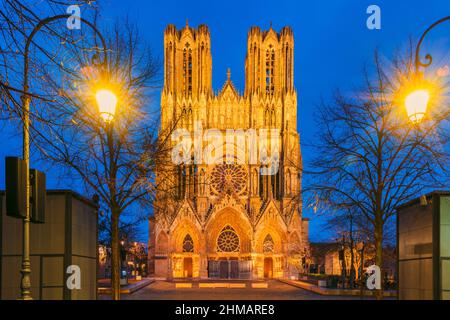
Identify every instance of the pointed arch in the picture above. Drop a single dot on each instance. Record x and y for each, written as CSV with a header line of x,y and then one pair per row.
x,y
186,235
187,69
220,219
288,63
288,182
268,244
162,243
169,63
188,243
270,70
272,117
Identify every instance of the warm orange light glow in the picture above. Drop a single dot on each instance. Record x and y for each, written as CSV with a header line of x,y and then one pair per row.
x,y
416,104
419,95
107,102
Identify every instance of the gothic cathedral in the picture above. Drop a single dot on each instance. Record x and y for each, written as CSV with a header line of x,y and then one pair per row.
x,y
229,218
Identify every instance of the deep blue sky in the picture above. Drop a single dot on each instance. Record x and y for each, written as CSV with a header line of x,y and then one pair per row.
x,y
332,45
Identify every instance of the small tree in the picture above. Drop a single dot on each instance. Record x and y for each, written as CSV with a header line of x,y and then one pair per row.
x,y
371,158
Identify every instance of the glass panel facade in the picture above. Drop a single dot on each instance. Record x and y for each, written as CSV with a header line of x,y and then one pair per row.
x,y
415,252
445,246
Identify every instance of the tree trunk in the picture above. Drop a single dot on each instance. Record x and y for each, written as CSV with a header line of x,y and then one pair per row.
x,y
352,256
115,258
379,253
352,267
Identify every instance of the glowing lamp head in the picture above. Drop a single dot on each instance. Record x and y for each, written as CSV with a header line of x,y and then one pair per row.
x,y
416,105
107,102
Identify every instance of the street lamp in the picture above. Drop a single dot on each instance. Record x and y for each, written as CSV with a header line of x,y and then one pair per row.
x,y
107,101
417,100
26,97
416,104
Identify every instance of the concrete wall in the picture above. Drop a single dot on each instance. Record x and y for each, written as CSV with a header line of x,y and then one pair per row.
x,y
68,236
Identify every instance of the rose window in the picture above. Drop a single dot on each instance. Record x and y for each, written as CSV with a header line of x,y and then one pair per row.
x,y
228,240
228,176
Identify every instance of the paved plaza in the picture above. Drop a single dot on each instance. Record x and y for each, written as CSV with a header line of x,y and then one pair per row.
x,y
164,290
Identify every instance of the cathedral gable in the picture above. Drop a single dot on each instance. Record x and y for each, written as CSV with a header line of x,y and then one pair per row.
x,y
229,92
270,211
185,211
226,200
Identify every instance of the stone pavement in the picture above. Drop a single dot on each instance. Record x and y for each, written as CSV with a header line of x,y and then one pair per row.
x,y
104,286
164,290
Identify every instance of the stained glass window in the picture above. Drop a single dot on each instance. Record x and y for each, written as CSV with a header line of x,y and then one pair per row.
x,y
188,244
226,176
228,240
268,244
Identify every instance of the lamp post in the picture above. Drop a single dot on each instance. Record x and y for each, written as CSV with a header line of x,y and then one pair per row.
x,y
25,284
107,102
416,102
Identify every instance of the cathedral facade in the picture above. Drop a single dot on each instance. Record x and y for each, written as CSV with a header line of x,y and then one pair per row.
x,y
225,210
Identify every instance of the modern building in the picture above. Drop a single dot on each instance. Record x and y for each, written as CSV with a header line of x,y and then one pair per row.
x,y
225,210
423,235
67,238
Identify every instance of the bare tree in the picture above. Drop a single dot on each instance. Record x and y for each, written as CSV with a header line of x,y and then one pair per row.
x,y
114,159
370,157
48,49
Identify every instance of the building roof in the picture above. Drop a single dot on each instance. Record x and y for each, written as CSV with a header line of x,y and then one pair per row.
x,y
428,196
68,192
322,248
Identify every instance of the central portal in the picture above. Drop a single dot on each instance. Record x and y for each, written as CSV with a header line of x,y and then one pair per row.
x,y
229,269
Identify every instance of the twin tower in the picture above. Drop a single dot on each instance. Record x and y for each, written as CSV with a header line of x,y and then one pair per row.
x,y
269,77
268,67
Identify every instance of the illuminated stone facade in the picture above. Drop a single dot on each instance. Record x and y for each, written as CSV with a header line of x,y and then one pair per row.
x,y
226,219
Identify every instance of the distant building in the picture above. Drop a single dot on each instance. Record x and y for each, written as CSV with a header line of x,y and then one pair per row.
x,y
326,258
104,262
136,254
134,257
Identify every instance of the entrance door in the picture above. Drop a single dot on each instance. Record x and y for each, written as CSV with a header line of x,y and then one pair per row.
x,y
187,267
213,269
268,267
223,269
234,269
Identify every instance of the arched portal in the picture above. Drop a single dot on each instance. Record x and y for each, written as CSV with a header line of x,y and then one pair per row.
x,y
229,245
